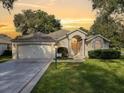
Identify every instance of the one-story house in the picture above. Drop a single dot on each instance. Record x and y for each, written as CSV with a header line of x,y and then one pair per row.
x,y
38,45
5,43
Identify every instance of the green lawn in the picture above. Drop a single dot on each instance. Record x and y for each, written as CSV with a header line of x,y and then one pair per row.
x,y
122,50
4,58
92,76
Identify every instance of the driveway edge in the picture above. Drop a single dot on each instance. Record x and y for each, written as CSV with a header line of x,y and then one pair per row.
x,y
28,88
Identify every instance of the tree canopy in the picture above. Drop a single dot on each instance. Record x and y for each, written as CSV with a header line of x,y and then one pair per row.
x,y
110,30
83,29
36,21
109,6
8,4
109,21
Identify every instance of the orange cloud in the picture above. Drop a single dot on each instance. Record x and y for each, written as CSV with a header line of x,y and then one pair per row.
x,y
2,25
72,13
76,23
28,5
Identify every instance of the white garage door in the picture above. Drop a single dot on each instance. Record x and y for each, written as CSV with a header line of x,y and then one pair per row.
x,y
34,51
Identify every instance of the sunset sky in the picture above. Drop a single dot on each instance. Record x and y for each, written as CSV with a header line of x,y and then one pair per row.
x,y
72,13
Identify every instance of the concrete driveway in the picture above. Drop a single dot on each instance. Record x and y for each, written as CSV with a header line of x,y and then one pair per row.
x,y
21,76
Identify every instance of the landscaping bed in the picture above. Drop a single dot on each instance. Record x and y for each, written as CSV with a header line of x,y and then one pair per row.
x,y
92,76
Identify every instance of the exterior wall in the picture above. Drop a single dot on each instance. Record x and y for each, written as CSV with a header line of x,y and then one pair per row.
x,y
66,42
86,49
14,51
63,43
106,45
91,44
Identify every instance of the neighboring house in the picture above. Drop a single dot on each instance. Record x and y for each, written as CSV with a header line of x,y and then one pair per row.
x,y
5,43
77,44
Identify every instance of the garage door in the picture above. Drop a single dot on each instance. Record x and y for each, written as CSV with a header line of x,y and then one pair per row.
x,y
34,51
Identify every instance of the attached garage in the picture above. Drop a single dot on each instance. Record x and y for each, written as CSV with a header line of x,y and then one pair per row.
x,y
34,46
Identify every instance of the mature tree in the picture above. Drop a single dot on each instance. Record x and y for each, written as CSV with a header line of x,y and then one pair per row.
x,y
36,21
110,30
8,4
83,29
109,6
109,21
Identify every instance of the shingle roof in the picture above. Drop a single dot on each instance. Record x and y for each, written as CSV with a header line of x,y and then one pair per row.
x,y
94,36
58,34
62,33
5,39
35,37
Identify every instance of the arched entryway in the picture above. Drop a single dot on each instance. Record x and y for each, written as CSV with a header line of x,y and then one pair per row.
x,y
76,43
63,51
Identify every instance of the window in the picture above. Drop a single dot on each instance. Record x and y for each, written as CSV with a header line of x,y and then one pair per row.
x,y
97,44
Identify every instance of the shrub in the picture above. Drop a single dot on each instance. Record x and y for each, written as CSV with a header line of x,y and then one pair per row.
x,y
104,54
7,53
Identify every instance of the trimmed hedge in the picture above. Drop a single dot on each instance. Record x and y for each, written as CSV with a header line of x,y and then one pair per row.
x,y
104,54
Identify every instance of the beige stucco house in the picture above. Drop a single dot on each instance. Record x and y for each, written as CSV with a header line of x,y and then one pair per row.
x,y
42,46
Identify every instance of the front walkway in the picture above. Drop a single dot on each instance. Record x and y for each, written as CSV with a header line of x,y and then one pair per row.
x,y
21,76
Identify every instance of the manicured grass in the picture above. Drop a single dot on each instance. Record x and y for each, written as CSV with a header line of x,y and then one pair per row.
x,y
92,76
4,58
122,53
122,50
